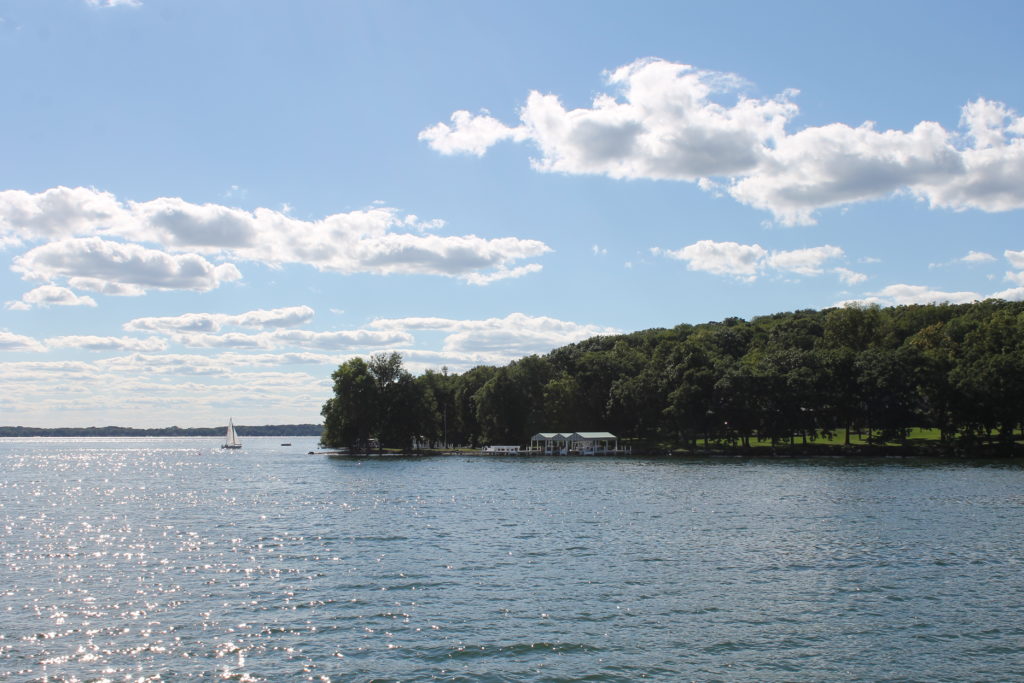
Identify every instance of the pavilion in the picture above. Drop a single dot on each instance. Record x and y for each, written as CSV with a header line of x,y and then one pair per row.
x,y
581,443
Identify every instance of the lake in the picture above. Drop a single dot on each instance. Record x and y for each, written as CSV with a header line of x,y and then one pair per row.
x,y
170,559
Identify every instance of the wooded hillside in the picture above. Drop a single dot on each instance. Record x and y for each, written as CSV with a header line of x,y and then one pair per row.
x,y
800,375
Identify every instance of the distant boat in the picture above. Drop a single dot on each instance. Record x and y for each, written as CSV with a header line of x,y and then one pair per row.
x,y
231,440
286,444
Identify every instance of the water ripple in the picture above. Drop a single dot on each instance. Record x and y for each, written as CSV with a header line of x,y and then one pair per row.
x,y
150,559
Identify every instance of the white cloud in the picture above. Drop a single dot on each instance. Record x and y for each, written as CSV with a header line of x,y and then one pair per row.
x,y
502,339
94,343
378,240
1014,294
57,213
849,277
216,365
153,390
502,273
835,165
229,340
338,340
977,257
748,261
469,134
16,342
743,261
668,121
1016,258
49,295
213,322
114,3
104,261
99,286
345,339
903,295
1017,277
803,261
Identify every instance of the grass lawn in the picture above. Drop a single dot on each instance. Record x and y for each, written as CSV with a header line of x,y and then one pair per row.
x,y
917,435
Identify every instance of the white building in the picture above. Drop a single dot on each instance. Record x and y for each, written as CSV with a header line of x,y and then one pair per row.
x,y
576,443
501,449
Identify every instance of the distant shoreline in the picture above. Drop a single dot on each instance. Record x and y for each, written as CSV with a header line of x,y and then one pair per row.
x,y
243,430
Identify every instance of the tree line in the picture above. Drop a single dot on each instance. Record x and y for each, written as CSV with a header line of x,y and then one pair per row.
x,y
784,378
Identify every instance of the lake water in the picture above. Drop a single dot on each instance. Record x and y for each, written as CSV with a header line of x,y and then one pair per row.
x,y
170,559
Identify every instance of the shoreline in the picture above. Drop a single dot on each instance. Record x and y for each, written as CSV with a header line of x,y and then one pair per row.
x,y
949,452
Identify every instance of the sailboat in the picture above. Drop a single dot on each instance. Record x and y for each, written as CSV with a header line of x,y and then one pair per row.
x,y
231,440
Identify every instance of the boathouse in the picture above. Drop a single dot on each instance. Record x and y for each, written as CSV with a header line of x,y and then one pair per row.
x,y
575,443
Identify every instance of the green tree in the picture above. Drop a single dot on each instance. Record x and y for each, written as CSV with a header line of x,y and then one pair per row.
x,y
350,416
467,389
510,406
379,399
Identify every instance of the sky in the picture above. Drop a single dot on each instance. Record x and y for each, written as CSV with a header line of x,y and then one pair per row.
x,y
207,205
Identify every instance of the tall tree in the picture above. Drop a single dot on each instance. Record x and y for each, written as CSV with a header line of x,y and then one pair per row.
x,y
350,416
379,399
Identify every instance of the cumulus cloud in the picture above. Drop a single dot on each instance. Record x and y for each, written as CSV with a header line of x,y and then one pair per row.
x,y
49,295
849,277
337,340
748,261
92,284
1013,294
345,339
1016,258
977,257
17,342
803,261
1017,277
672,121
213,322
131,265
744,261
505,338
57,213
378,240
469,134
94,343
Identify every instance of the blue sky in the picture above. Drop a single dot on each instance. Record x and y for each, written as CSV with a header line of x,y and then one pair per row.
x,y
206,206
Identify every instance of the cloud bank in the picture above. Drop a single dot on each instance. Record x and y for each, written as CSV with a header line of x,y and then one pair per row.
x,y
668,121
504,339
903,294
91,240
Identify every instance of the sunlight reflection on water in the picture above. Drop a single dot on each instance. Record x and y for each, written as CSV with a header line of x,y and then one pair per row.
x,y
130,558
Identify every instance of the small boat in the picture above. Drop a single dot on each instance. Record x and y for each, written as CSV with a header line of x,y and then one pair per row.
x,y
231,440
286,444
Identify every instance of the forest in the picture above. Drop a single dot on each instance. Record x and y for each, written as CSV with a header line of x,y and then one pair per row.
x,y
800,377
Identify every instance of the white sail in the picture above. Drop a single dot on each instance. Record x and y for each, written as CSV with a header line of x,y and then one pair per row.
x,y
231,440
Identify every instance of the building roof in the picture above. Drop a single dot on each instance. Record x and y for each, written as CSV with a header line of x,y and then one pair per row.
x,y
595,435
574,436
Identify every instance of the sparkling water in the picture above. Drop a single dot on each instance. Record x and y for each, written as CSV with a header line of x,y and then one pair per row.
x,y
171,559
